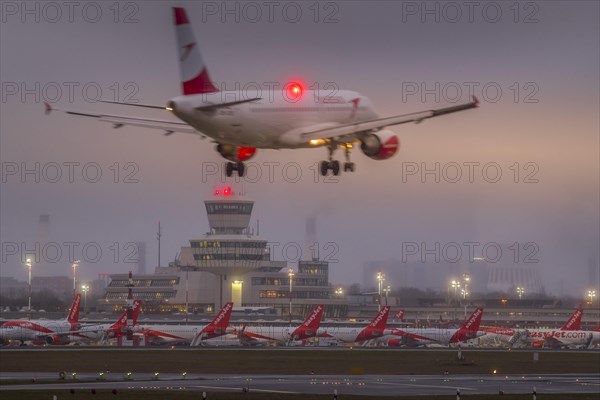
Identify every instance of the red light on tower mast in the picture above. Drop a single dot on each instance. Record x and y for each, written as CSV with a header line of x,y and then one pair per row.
x,y
225,192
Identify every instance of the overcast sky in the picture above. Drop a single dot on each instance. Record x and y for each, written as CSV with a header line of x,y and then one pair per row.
x,y
534,67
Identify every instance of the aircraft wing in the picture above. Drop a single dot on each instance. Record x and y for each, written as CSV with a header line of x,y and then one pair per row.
x,y
169,127
552,342
357,128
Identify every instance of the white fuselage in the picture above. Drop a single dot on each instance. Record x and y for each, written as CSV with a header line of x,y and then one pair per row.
x,y
426,336
170,333
353,334
274,121
550,336
266,334
34,330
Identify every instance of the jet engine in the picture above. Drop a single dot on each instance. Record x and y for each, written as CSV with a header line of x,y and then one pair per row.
x,y
380,145
235,153
53,339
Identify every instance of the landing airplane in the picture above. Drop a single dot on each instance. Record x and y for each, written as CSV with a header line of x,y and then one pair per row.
x,y
413,337
192,334
260,335
240,122
375,330
42,330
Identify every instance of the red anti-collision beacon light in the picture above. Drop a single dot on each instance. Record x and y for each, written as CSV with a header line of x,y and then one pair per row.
x,y
226,191
293,91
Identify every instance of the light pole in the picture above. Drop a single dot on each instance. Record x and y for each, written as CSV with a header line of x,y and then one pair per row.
x,y
520,291
387,290
28,264
291,276
75,265
591,294
455,285
187,290
85,289
465,293
466,280
380,279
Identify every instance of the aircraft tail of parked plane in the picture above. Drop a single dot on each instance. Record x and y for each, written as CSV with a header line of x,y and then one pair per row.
x,y
574,321
399,315
310,326
121,323
73,316
469,328
377,326
217,327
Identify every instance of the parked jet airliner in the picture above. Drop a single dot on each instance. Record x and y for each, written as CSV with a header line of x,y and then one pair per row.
x,y
192,334
375,330
43,330
259,335
290,117
103,332
424,336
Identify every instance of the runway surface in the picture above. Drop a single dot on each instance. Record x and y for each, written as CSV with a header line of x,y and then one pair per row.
x,y
394,385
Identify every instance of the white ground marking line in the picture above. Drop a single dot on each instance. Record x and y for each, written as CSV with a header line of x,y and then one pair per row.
x,y
239,389
427,386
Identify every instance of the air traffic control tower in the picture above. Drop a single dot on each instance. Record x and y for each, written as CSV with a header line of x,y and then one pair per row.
x,y
231,248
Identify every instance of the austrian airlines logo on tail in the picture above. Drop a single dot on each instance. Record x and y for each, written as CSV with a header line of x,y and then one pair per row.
x,y
194,74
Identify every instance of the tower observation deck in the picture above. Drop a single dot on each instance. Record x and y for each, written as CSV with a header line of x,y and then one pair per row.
x,y
230,248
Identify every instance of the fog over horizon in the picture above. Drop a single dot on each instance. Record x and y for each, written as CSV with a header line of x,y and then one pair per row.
x,y
528,158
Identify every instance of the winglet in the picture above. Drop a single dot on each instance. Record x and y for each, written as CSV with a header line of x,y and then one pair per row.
x,y
48,109
475,101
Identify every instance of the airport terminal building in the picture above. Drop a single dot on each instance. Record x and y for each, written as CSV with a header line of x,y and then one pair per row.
x,y
229,263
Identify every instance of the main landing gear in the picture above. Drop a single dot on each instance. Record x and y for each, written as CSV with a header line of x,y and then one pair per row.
x,y
235,166
334,165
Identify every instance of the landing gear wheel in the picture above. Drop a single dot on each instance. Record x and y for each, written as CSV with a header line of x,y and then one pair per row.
x,y
349,167
324,167
335,167
238,166
241,168
229,169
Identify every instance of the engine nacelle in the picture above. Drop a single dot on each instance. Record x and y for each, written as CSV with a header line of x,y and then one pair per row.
x,y
235,153
53,339
380,145
396,343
